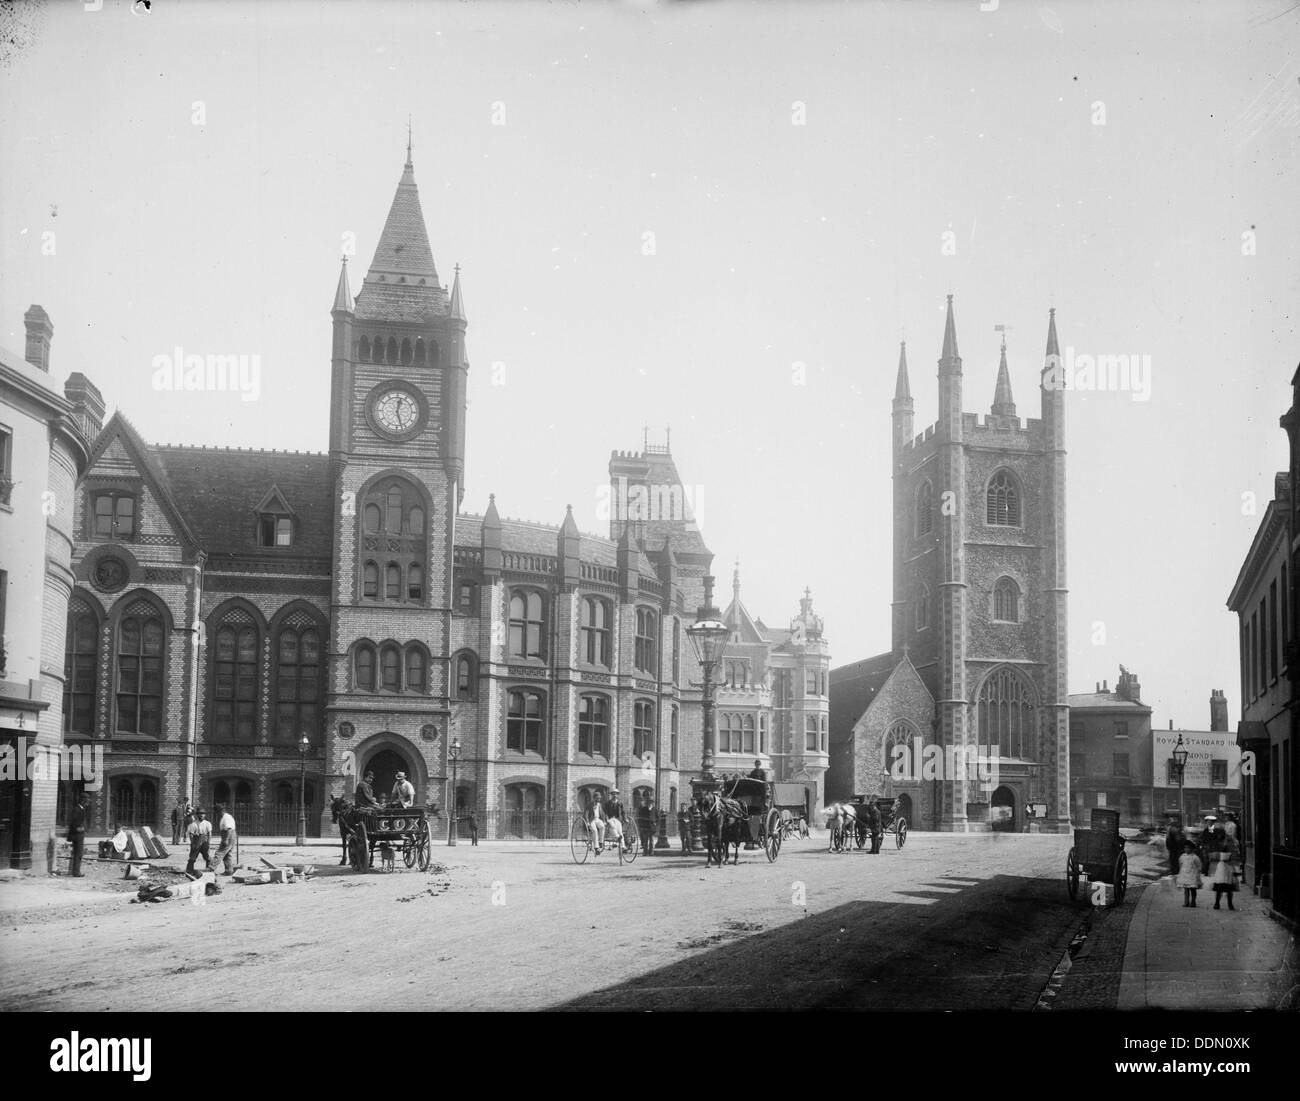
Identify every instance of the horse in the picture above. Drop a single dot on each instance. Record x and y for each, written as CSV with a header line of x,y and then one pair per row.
x,y
841,822
343,814
726,822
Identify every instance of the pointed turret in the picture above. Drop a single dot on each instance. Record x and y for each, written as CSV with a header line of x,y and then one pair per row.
x,y
735,583
1003,403
1052,348
950,336
457,304
902,388
568,547
343,293
490,539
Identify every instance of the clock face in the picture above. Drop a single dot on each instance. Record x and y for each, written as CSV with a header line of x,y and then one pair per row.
x,y
397,411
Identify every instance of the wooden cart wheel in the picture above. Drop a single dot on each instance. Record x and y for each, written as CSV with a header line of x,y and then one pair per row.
x,y
631,844
1121,877
900,833
424,851
1072,875
360,849
860,834
579,841
409,852
772,834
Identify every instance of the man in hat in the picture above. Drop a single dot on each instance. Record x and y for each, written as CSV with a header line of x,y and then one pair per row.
x,y
77,834
365,797
403,792
614,817
200,835
226,850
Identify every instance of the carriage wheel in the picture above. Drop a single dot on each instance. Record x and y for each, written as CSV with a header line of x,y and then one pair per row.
x,y
409,852
631,844
1072,875
424,851
1121,877
837,839
772,834
360,849
900,833
860,836
579,841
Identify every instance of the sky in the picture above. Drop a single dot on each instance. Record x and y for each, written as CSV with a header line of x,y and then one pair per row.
x,y
719,218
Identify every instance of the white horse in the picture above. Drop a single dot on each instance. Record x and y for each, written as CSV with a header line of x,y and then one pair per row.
x,y
841,824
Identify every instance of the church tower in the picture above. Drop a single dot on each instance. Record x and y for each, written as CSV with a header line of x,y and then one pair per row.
x,y
397,446
979,604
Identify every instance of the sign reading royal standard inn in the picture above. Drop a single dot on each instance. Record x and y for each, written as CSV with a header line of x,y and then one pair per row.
x,y
1211,779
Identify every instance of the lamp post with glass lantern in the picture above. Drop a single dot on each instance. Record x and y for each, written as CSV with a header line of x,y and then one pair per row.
x,y
708,635
453,751
303,746
1180,762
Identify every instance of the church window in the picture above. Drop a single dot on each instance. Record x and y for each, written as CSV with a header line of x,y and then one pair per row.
x,y
365,665
80,662
415,520
415,669
465,677
1003,501
1006,601
924,509
390,668
1005,715
234,678
363,349
391,353
141,657
922,608
298,677
419,351
372,518
900,746
406,352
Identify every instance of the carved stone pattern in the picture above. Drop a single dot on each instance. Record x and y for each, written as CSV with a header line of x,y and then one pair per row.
x,y
300,620
429,732
105,681
288,585
526,671
266,686
597,678
346,730
141,607
135,747
237,617
163,576
646,686
159,540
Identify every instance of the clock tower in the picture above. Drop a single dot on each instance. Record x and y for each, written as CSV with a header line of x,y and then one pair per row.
x,y
397,448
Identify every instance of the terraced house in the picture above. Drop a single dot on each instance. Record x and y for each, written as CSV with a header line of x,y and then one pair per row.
x,y
236,612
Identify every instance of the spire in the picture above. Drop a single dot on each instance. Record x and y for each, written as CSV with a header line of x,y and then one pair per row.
x,y
457,303
1003,403
570,527
1052,349
343,294
403,253
735,582
950,334
491,518
408,142
902,390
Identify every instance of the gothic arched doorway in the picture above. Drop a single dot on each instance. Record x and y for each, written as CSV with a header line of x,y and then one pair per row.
x,y
1002,810
386,764
903,809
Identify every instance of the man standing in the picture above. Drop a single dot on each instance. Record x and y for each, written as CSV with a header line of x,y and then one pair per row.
x,y
614,816
473,828
200,835
403,792
758,772
226,827
645,826
77,834
178,820
684,826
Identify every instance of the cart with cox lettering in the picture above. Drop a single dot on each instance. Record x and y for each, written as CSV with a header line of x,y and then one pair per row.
x,y
406,829
1098,854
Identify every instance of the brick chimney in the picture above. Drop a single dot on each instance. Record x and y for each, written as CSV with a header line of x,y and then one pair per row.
x,y
1128,687
39,332
1218,710
87,404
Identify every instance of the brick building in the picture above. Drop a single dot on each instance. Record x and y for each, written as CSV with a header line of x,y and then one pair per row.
x,y
972,694
43,451
1110,752
230,604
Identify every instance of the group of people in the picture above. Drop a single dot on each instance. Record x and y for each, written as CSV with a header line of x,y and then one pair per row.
x,y
1218,857
401,797
199,833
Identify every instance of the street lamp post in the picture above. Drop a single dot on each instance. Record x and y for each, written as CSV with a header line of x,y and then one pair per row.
x,y
453,751
708,635
303,746
1180,763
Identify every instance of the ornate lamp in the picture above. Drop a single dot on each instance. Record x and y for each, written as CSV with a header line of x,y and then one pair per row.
x,y
304,745
1180,762
453,751
708,635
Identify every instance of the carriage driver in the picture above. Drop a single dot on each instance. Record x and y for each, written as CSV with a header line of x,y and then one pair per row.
x,y
365,799
403,792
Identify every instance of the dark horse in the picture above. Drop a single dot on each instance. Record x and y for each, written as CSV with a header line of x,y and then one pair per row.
x,y
344,816
726,822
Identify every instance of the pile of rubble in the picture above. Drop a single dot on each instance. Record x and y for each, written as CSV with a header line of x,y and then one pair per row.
x,y
199,887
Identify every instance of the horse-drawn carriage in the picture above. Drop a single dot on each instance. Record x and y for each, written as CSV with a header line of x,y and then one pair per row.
x,y
862,820
1099,854
399,829
752,811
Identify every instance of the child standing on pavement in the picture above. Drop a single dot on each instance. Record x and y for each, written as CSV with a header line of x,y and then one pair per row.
x,y
1224,877
1189,874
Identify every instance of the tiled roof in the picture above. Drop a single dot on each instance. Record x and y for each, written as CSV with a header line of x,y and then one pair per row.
x,y
219,489
852,689
1104,701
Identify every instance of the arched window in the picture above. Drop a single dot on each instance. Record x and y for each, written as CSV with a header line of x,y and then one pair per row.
x,y
80,669
643,728
646,626
234,678
1003,500
526,624
365,663
1006,601
141,658
393,517
363,349
298,677
525,814
524,732
135,802
415,520
390,668
393,582
406,351
595,631
390,353
1006,716
415,669
414,582
465,678
373,518
900,752
922,608
593,725
419,351
924,509
370,580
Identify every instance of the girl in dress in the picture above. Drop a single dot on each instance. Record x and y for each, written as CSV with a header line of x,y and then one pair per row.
x,y
1189,874
1224,862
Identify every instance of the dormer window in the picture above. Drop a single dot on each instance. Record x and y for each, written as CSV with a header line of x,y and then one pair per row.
x,y
274,521
114,512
